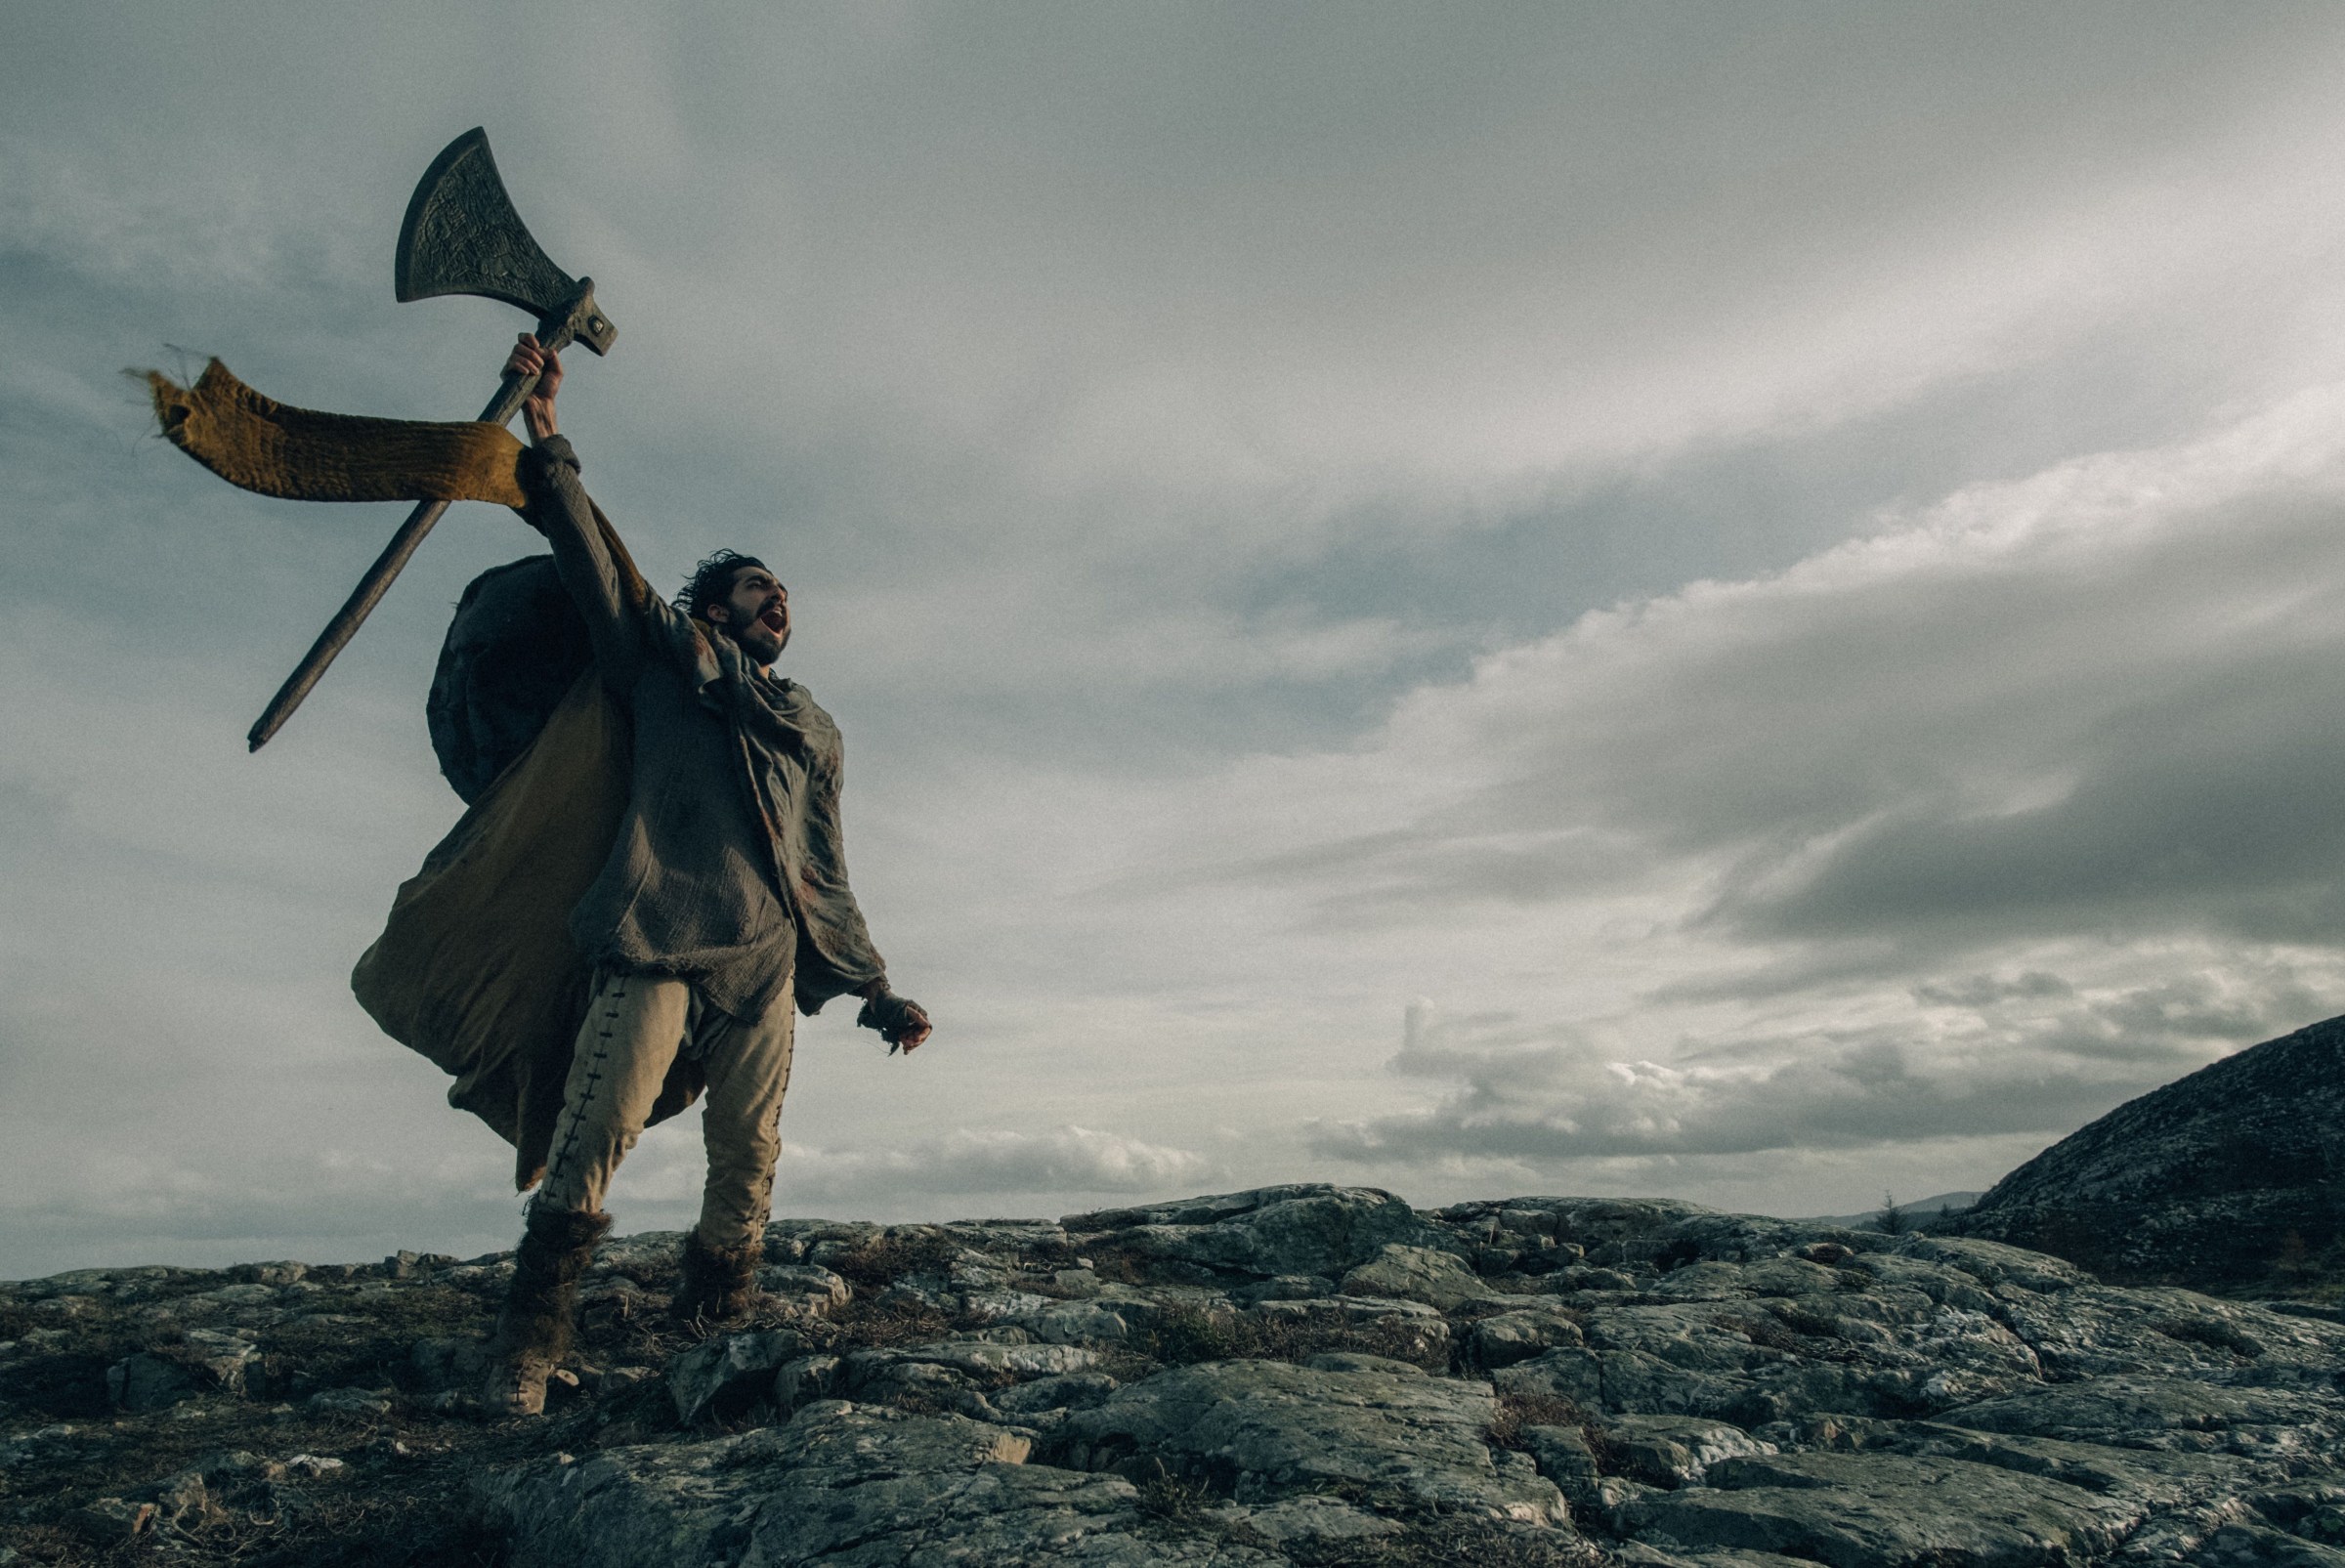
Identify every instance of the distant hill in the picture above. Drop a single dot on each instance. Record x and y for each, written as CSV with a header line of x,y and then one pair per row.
x,y
1921,1209
2229,1179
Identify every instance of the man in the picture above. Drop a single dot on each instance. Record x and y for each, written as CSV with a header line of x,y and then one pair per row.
x,y
724,897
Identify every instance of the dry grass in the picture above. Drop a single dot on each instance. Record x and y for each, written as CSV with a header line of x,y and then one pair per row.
x,y
1763,1330
380,1508
1453,1543
1181,1335
1518,1411
896,1253
383,1506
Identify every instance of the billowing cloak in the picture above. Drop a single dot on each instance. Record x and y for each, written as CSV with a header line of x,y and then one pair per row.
x,y
475,969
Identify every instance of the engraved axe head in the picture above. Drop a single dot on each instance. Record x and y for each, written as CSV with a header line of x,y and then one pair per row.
x,y
462,236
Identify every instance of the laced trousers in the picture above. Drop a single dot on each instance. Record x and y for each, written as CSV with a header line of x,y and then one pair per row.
x,y
634,1027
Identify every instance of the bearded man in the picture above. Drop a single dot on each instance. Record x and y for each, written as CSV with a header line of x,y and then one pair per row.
x,y
723,899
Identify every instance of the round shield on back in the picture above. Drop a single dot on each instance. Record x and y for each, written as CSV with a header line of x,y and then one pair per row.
x,y
516,646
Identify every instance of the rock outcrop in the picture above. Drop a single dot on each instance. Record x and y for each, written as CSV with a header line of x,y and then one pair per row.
x,y
1302,1374
2232,1178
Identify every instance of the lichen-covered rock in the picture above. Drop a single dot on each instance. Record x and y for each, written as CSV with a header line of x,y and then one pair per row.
x,y
142,1383
446,1364
1405,1330
359,1401
220,1357
806,1287
2192,1414
2254,1546
653,1252
1565,1456
1674,1451
1505,1338
981,1358
1208,1382
844,1486
1758,1342
1259,1430
955,1375
1080,1390
1307,1229
1415,1274
110,1521
1885,1511
1106,1318
719,1376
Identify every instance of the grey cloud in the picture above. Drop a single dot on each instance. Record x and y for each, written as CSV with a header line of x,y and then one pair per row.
x,y
1550,1105
1835,1096
2179,1018
2008,719
207,1201
1979,991
2208,808
1062,1160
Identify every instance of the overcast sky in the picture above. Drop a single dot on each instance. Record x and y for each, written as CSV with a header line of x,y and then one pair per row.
x,y
1736,601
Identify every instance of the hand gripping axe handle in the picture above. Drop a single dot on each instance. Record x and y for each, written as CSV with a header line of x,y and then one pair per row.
x,y
461,236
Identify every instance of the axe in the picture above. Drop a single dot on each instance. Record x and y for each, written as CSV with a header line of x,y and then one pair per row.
x,y
461,236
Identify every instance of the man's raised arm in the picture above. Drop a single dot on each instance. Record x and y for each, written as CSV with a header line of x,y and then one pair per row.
x,y
559,510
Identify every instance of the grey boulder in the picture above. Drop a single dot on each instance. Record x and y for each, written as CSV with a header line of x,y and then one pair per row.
x,y
1261,1430
844,1486
1269,1231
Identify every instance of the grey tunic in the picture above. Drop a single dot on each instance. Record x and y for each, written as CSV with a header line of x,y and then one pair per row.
x,y
728,869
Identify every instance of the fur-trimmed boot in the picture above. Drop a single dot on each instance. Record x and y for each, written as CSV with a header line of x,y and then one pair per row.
x,y
534,1331
720,1282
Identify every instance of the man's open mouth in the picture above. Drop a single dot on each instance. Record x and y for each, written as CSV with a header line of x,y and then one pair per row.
x,y
772,621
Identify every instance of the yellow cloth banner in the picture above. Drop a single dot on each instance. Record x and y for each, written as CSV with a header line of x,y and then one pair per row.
x,y
257,444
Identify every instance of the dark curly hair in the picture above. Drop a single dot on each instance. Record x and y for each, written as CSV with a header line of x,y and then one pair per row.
x,y
712,579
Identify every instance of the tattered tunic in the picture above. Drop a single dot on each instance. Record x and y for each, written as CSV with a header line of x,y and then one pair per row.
x,y
729,868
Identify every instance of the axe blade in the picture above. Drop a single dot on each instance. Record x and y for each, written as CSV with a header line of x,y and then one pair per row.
x,y
461,236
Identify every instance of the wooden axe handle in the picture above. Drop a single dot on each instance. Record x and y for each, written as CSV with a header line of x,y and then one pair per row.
x,y
553,337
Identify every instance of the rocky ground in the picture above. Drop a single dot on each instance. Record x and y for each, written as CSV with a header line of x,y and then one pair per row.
x,y
1300,1374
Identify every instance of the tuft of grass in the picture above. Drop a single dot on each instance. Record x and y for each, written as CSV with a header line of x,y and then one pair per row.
x,y
1182,1336
1173,1499
1518,1411
894,1253
1120,1265
385,1509
1765,1332
1491,1306
1451,1541
866,1323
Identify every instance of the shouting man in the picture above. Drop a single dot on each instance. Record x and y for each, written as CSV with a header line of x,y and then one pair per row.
x,y
723,898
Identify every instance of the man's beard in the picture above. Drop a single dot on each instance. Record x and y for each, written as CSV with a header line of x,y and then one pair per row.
x,y
760,641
